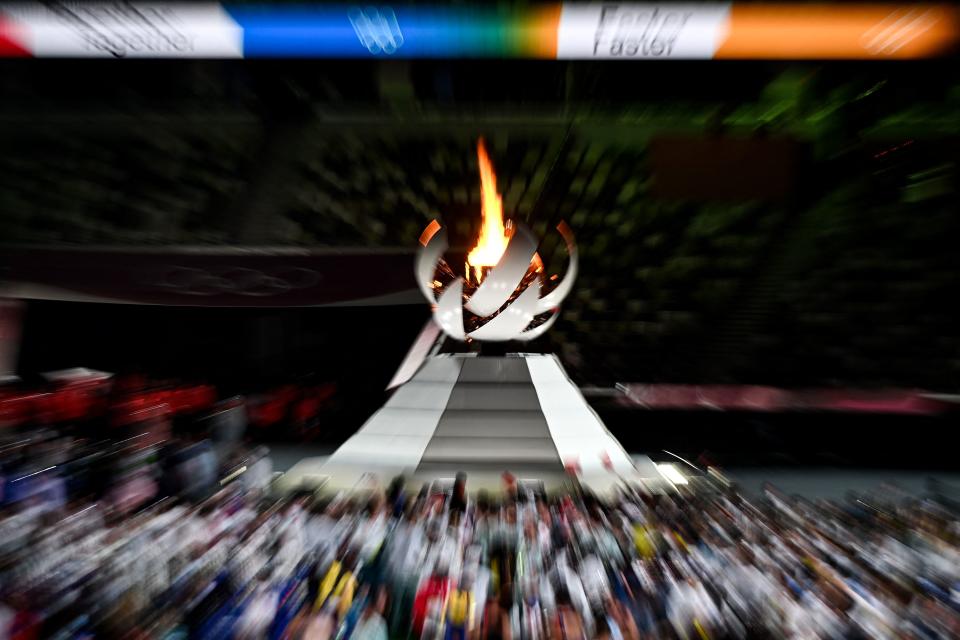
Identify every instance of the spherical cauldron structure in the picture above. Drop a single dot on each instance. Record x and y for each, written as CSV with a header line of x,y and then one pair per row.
x,y
508,301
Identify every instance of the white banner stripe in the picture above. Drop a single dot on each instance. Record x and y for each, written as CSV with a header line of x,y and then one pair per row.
x,y
635,31
128,30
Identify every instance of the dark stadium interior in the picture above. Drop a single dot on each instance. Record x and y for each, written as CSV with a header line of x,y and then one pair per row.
x,y
785,224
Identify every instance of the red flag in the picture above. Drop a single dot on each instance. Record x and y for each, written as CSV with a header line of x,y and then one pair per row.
x,y
12,40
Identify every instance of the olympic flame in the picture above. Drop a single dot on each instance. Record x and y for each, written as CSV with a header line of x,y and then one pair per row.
x,y
493,232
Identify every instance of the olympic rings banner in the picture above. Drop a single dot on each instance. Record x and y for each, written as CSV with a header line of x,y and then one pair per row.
x,y
613,30
208,277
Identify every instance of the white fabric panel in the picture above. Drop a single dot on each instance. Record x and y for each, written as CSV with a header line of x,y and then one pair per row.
x,y
397,435
483,399
494,370
375,450
492,421
503,424
420,395
519,451
578,433
439,369
402,422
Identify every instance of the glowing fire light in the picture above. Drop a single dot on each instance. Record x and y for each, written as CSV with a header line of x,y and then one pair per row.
x,y
493,233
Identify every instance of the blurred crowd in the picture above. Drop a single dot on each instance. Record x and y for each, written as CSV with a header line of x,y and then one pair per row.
x,y
109,406
177,539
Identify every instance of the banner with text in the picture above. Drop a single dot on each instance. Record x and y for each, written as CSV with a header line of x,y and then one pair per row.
x,y
602,31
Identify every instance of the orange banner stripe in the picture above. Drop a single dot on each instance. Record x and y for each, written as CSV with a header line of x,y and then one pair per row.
x,y
827,31
540,31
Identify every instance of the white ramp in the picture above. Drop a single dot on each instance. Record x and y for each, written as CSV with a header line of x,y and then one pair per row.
x,y
482,415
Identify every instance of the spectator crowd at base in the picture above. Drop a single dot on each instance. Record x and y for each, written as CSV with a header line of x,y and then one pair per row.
x,y
194,559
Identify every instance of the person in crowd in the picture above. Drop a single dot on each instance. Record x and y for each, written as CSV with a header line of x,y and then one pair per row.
x,y
458,497
566,623
458,613
372,625
495,624
429,600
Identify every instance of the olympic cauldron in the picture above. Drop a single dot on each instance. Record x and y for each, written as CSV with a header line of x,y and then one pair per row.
x,y
496,412
500,294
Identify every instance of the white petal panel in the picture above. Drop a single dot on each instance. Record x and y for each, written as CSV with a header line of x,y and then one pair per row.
x,y
449,311
539,330
498,286
555,297
503,279
427,259
512,320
